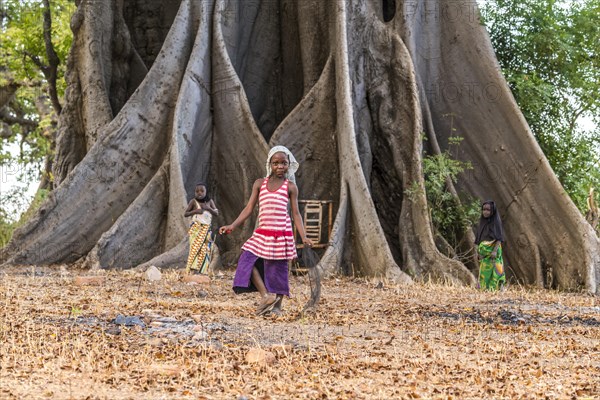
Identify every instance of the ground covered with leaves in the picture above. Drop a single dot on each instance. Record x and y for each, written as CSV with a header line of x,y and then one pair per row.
x,y
122,337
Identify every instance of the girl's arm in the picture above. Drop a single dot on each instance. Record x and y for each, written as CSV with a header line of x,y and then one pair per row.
x,y
247,211
191,209
212,208
293,192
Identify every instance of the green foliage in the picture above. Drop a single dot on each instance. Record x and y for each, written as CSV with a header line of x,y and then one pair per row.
x,y
22,57
549,52
6,228
21,46
23,38
450,218
75,312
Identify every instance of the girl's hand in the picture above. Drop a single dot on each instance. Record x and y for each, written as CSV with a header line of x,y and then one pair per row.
x,y
227,229
213,211
308,242
493,255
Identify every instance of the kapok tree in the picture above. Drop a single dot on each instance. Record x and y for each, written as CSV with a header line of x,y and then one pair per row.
x,y
352,87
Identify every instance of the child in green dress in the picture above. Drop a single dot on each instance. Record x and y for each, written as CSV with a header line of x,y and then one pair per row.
x,y
488,240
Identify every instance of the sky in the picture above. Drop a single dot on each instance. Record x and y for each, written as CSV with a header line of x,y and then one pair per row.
x,y
9,183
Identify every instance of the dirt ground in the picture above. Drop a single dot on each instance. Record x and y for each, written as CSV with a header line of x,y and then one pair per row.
x,y
126,338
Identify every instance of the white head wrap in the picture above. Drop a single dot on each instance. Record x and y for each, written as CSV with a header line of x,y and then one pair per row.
x,y
293,163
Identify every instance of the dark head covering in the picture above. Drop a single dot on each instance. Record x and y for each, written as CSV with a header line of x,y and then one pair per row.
x,y
206,196
489,228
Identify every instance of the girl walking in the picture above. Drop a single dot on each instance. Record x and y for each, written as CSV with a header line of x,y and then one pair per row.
x,y
201,208
263,264
489,238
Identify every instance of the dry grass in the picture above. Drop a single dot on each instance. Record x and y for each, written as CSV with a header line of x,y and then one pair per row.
x,y
57,340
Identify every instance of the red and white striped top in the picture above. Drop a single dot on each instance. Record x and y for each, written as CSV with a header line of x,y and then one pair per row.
x,y
273,239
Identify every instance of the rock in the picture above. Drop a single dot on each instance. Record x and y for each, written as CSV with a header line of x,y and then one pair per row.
x,y
196,279
153,274
200,335
166,320
128,321
154,341
259,356
88,280
113,330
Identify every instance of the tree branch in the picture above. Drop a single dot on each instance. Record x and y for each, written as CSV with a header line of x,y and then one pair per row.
x,y
12,120
51,71
7,92
574,119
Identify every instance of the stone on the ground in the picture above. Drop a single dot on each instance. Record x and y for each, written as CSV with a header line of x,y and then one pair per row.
x,y
113,330
259,356
166,320
88,280
200,335
153,274
154,341
129,321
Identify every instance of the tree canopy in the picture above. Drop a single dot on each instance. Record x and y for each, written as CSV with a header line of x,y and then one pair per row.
x,y
36,38
549,51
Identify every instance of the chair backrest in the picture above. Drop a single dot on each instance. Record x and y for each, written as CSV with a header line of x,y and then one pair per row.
x,y
314,223
313,220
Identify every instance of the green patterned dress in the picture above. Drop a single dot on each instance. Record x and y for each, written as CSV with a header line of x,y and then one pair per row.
x,y
491,272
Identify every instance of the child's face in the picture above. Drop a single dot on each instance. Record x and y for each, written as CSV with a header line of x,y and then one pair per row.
x,y
200,191
486,210
279,164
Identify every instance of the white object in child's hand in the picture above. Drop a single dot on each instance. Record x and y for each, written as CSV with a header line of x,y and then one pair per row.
x,y
204,218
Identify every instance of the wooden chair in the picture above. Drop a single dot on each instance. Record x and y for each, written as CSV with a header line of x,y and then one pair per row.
x,y
313,215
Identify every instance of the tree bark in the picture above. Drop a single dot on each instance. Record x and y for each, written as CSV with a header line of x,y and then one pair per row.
x,y
350,86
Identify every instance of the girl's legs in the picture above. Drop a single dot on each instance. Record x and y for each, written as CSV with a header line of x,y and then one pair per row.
x,y
267,299
278,305
258,282
277,280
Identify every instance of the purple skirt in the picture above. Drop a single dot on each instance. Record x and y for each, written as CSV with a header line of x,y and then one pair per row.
x,y
273,272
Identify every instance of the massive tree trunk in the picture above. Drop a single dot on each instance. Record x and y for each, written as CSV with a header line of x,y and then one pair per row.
x,y
350,86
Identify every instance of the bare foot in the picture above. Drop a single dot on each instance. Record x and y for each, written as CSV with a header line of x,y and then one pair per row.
x,y
266,304
276,310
